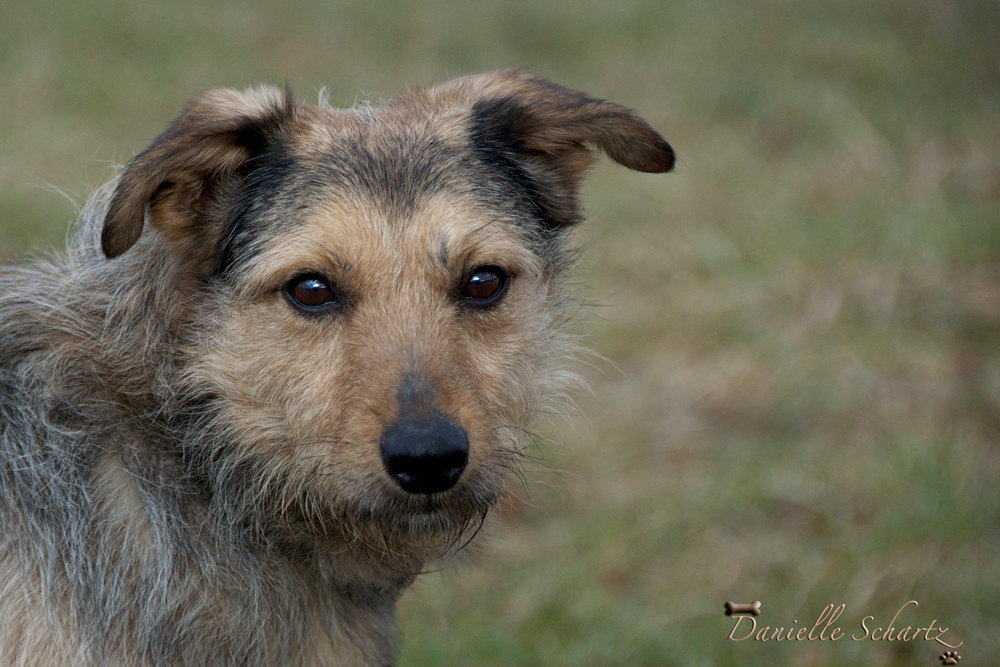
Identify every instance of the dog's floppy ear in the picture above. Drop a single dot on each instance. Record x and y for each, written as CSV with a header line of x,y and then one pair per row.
x,y
537,133
213,136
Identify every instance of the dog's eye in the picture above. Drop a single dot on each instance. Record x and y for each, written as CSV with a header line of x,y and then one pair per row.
x,y
485,286
310,293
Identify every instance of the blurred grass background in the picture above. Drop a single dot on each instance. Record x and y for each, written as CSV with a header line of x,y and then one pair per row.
x,y
801,398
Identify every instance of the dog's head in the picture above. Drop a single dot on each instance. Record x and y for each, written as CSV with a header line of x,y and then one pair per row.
x,y
377,290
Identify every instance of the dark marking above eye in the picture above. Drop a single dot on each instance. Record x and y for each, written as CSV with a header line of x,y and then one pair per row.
x,y
443,253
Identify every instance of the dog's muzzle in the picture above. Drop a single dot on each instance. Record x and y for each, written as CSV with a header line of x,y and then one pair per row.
x,y
425,456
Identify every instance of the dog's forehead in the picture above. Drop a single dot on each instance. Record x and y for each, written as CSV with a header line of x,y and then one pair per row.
x,y
365,133
381,174
392,159
412,115
439,235
401,179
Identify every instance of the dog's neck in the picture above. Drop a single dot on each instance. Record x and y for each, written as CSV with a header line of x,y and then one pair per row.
x,y
292,599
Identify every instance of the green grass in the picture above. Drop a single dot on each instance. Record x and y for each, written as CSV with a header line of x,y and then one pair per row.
x,y
801,398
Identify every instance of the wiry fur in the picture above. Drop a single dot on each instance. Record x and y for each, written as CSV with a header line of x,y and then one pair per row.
x,y
190,467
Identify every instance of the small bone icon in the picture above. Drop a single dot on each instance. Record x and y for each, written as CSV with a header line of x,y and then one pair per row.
x,y
733,608
950,657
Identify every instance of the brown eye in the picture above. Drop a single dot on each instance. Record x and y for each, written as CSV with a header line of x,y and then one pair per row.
x,y
310,293
485,286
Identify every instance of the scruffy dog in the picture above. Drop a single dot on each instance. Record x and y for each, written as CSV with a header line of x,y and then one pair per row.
x,y
287,362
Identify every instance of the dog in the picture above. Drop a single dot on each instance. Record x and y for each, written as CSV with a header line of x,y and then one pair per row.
x,y
288,361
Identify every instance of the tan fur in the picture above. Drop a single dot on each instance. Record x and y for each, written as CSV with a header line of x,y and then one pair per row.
x,y
34,634
204,470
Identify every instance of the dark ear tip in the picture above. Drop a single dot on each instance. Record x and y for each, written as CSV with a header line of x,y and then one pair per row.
x,y
653,156
114,243
110,248
664,159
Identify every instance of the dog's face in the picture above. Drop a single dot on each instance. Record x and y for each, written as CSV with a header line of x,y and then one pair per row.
x,y
378,291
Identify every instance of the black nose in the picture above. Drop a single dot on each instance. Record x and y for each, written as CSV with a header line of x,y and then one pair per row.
x,y
425,456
